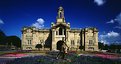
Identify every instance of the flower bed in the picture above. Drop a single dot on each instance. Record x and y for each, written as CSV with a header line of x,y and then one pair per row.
x,y
108,56
17,55
71,58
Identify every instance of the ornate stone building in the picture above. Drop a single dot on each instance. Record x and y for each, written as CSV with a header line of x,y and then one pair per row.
x,y
86,38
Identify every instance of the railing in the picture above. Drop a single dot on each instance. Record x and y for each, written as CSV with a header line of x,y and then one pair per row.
x,y
60,36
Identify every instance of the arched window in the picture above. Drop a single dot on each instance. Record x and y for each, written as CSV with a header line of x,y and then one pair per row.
x,y
56,32
60,15
60,31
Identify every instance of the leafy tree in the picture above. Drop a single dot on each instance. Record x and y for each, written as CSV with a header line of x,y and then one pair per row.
x,y
14,40
2,38
103,46
100,45
47,46
106,47
81,47
38,46
112,46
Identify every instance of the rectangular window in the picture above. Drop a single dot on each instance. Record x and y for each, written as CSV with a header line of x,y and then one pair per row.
x,y
91,42
78,41
29,41
72,42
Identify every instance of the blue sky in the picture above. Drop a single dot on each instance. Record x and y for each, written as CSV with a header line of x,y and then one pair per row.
x,y
103,14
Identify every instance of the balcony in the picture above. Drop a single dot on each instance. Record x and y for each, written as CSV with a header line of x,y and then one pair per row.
x,y
60,36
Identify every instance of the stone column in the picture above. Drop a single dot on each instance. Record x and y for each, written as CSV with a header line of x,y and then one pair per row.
x,y
86,42
62,31
23,40
58,32
96,41
82,38
33,40
53,39
75,40
53,35
67,37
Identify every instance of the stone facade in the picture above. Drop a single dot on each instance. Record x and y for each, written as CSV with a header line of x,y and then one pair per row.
x,y
86,38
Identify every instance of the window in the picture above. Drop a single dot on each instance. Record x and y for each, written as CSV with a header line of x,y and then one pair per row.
x,y
78,42
56,32
60,31
29,42
41,41
91,42
60,14
72,42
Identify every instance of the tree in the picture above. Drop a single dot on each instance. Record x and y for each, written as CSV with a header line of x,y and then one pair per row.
x,y
113,46
14,40
2,38
100,45
47,46
106,47
81,47
38,46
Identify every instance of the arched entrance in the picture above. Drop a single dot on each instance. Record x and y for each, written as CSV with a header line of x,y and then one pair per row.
x,y
59,44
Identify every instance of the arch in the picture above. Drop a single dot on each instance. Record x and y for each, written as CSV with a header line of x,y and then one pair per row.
x,y
60,31
59,44
38,46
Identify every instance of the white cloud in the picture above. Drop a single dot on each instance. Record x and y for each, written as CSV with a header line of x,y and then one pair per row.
x,y
1,22
99,2
110,37
104,41
119,27
116,20
112,21
110,34
113,34
39,23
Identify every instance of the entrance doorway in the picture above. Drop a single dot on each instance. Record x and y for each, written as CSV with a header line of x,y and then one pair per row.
x,y
59,44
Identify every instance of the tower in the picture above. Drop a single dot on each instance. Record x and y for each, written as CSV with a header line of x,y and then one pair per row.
x,y
60,17
59,29
60,12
